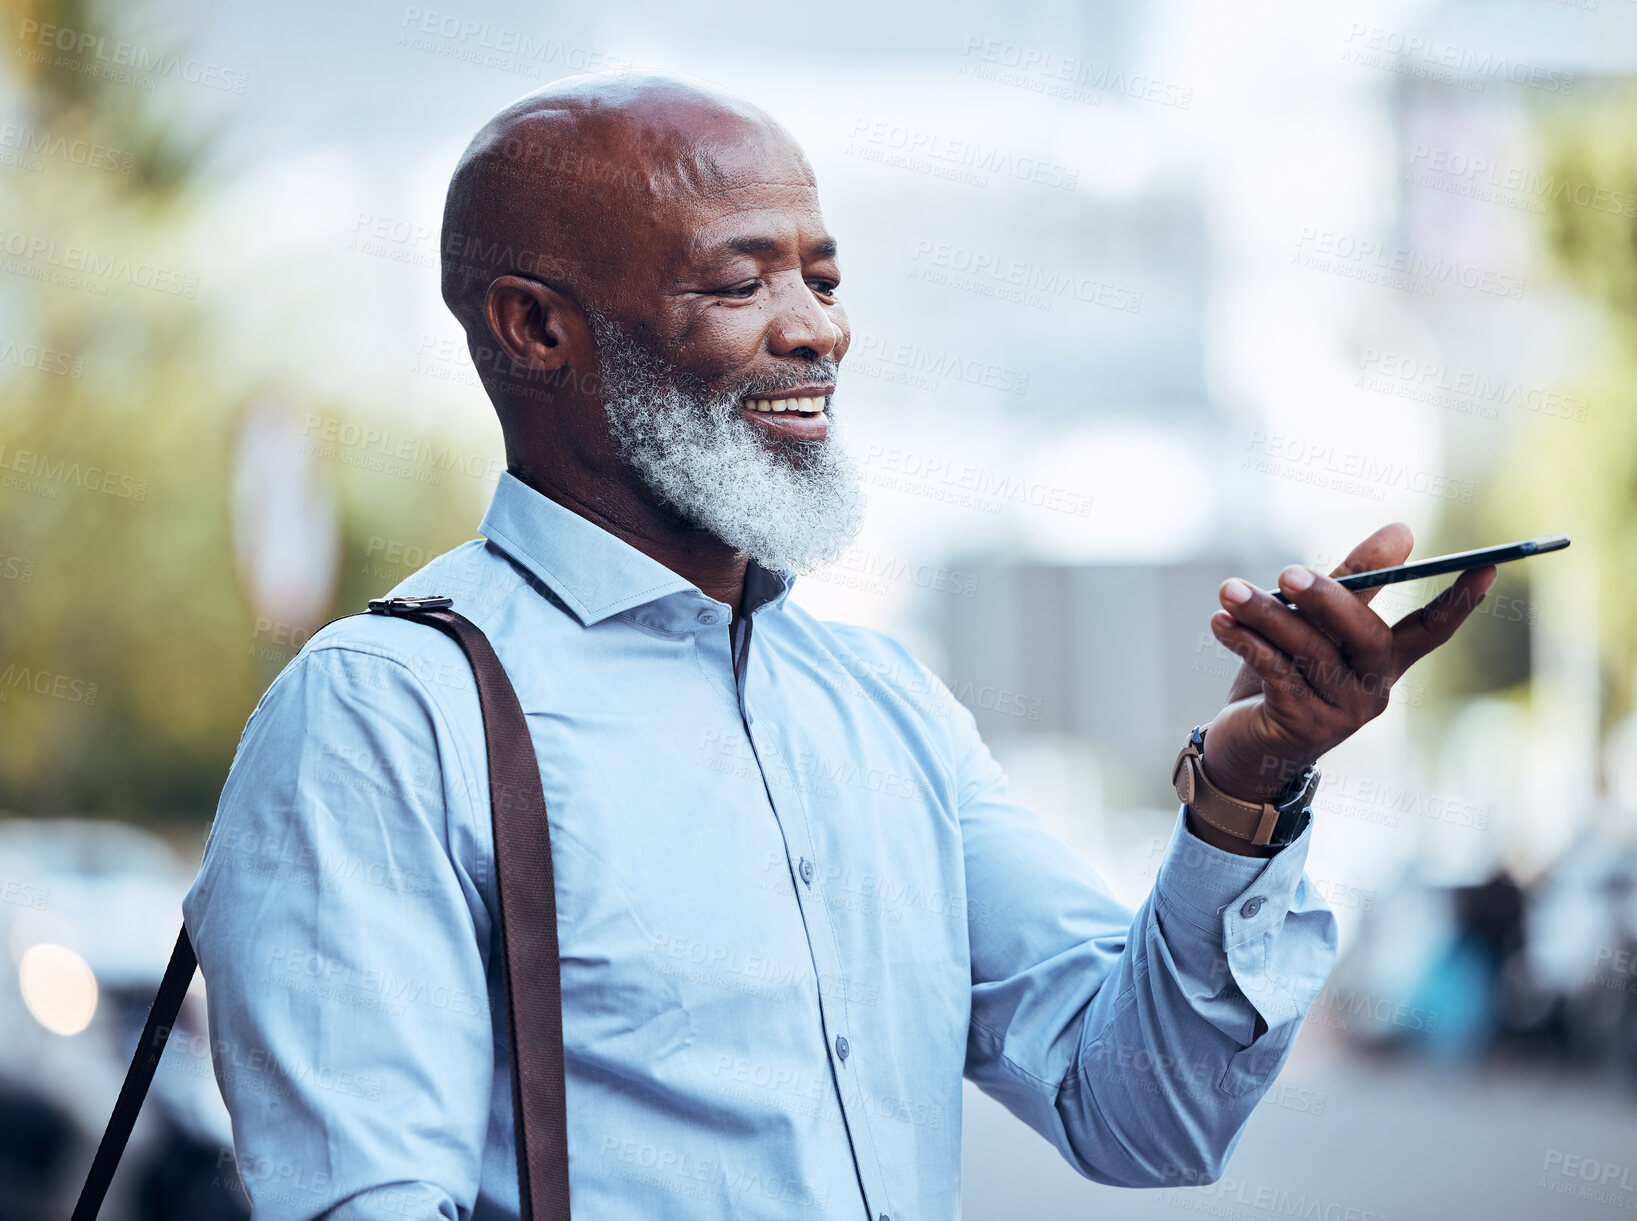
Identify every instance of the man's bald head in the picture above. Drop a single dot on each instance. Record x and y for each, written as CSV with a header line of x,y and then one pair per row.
x,y
649,294
565,184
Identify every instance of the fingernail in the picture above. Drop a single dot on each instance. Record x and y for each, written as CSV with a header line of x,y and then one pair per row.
x,y
1236,591
1296,578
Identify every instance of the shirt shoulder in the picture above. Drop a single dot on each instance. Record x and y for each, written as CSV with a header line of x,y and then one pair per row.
x,y
477,578
385,658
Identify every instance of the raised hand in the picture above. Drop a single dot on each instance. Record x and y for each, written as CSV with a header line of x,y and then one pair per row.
x,y
1315,672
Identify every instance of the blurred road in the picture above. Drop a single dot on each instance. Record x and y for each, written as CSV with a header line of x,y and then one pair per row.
x,y
1357,1140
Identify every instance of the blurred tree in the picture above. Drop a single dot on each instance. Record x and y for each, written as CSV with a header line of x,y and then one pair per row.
x,y
129,659
1580,474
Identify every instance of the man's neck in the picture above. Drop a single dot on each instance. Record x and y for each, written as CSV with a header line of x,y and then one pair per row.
x,y
689,552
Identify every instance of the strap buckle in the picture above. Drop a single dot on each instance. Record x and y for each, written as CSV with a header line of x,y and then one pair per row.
x,y
408,606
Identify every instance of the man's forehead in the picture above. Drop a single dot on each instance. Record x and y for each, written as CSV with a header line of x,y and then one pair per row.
x,y
755,198
764,219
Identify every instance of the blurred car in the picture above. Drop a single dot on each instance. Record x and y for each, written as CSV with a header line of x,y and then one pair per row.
x,y
89,911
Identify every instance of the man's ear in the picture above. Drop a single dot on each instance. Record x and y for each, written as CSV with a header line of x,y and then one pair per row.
x,y
539,327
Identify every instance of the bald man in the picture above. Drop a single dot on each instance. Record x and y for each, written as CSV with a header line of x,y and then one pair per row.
x,y
796,904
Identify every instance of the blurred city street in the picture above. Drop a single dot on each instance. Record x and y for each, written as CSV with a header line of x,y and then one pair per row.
x,y
1397,1140
1143,297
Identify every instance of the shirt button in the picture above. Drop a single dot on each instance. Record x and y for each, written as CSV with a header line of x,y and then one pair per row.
x,y
708,617
1251,907
842,1047
807,871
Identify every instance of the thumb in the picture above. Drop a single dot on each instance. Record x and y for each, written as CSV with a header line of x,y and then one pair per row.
x,y
1388,546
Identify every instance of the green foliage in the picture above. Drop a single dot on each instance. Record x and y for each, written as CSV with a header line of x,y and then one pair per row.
x,y
1584,475
129,659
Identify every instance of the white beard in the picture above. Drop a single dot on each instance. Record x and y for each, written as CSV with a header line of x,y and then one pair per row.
x,y
698,455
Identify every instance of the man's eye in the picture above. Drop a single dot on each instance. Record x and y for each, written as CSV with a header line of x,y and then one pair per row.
x,y
824,288
743,290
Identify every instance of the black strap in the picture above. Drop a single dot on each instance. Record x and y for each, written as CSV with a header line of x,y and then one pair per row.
x,y
167,1003
528,941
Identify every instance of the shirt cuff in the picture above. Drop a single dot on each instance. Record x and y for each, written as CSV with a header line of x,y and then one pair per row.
x,y
1241,897
1237,902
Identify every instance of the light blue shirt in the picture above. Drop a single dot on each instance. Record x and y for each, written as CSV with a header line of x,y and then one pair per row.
x,y
796,906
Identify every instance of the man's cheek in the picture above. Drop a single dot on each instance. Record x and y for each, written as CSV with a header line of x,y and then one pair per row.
x,y
838,316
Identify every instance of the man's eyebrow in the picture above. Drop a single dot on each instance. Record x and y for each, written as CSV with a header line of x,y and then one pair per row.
x,y
825,248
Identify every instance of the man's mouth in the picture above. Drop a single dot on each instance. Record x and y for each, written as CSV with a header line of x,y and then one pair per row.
x,y
797,413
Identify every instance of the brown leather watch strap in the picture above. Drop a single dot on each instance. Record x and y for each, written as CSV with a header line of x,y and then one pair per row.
x,y
1257,823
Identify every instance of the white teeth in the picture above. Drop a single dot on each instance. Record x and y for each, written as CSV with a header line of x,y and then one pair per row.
x,y
798,406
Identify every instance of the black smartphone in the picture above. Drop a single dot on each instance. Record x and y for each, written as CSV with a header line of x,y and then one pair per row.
x,y
1447,563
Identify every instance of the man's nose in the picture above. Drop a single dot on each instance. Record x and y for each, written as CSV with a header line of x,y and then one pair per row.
x,y
800,322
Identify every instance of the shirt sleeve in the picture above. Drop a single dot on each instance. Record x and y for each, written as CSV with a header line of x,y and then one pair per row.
x,y
345,952
1131,1040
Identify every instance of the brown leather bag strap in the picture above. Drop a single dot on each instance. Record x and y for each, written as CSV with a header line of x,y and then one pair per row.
x,y
528,941
528,926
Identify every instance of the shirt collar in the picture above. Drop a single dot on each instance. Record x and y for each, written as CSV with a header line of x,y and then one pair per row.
x,y
595,574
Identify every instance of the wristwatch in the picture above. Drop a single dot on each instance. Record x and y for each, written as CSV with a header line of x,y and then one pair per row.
x,y
1272,823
